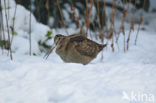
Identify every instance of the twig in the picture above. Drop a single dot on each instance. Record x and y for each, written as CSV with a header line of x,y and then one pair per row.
x,y
13,27
2,25
74,15
88,11
98,15
87,16
8,8
112,44
140,22
101,36
30,28
112,21
104,26
111,31
105,16
62,17
10,51
131,25
47,7
122,28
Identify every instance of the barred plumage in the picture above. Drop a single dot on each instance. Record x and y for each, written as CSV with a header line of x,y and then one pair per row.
x,y
76,48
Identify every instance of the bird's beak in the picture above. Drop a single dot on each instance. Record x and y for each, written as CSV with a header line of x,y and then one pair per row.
x,y
56,43
50,51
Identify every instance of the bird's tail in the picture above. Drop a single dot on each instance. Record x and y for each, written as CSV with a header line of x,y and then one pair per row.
x,y
102,46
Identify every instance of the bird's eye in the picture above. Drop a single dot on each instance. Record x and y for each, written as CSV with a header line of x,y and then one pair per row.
x,y
58,38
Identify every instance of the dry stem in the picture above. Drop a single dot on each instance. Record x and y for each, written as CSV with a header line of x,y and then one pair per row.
x,y
30,28
10,51
62,17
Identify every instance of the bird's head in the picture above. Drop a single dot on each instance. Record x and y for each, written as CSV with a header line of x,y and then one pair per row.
x,y
58,38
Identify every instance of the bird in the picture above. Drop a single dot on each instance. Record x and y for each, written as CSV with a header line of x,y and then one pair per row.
x,y
76,48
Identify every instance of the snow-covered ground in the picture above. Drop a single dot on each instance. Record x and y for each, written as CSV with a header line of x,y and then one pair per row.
x,y
35,80
119,78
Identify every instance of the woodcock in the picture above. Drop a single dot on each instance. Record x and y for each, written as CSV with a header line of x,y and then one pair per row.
x,y
76,48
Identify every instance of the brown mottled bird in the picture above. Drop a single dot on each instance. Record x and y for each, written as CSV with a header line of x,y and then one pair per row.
x,y
76,48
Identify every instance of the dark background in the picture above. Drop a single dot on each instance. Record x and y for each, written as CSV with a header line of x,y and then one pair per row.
x,y
44,9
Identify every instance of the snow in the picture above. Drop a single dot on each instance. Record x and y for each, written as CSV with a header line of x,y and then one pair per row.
x,y
9,3
22,17
32,79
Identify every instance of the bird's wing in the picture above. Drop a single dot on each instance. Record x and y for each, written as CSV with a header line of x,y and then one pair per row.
x,y
73,39
76,35
86,48
83,45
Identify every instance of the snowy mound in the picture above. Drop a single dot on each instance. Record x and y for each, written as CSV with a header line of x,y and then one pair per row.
x,y
21,27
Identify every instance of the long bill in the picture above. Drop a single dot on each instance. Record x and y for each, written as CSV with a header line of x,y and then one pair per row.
x,y
50,51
